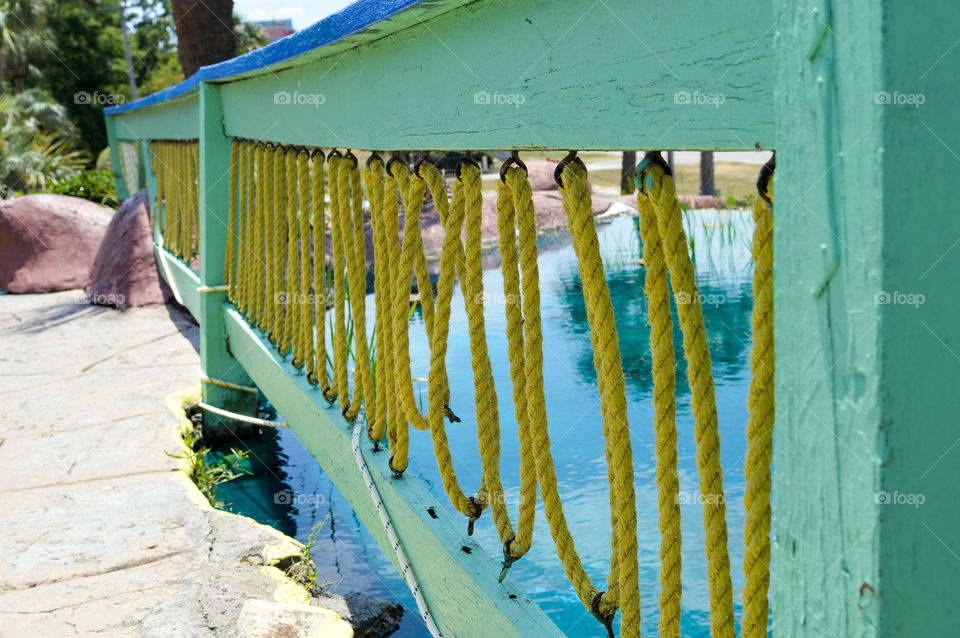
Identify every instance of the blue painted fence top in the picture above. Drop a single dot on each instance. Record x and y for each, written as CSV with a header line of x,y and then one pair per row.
x,y
356,17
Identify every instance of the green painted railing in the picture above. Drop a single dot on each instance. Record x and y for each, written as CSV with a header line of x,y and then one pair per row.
x,y
866,385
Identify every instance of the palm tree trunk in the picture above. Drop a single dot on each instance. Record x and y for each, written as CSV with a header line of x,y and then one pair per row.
x,y
706,174
628,172
204,33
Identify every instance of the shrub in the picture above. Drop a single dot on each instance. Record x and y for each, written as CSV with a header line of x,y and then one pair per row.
x,y
94,184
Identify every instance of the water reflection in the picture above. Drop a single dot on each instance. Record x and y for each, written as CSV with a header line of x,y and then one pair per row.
x,y
721,248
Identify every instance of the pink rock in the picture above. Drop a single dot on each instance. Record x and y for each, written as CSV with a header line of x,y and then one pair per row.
x,y
125,269
701,201
548,209
547,214
540,174
48,242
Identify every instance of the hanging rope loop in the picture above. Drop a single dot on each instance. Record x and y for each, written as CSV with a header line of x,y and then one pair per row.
x,y
276,271
466,160
604,619
571,157
513,160
763,181
651,158
477,511
508,559
374,157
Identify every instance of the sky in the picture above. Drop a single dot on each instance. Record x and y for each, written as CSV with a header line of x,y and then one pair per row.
x,y
302,12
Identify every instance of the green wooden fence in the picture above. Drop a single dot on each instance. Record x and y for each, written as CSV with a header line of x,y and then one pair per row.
x,y
856,97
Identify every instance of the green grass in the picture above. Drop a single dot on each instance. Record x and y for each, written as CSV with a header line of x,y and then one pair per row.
x,y
208,475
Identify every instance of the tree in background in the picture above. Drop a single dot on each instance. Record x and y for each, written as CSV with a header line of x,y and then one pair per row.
x,y
706,174
62,62
628,172
153,39
36,138
250,36
18,36
205,33
89,71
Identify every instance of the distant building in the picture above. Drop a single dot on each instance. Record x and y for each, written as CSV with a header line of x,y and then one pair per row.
x,y
276,29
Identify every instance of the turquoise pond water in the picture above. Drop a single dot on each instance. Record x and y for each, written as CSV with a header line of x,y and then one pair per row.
x,y
347,554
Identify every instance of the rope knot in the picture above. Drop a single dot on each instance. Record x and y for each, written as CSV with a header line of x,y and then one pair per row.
x,y
477,511
604,619
508,558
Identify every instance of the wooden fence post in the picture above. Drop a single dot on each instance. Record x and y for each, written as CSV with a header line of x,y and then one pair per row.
x,y
116,164
216,361
867,330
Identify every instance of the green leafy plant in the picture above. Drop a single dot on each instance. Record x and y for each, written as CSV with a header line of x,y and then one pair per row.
x,y
304,569
207,475
96,185
36,143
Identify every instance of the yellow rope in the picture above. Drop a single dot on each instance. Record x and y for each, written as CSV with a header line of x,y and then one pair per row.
x,y
397,425
319,371
400,185
438,388
158,164
485,395
537,406
229,272
756,498
291,286
375,177
186,209
279,227
240,273
514,192
181,190
261,243
171,239
246,243
413,190
363,390
260,265
622,586
669,223
269,245
303,353
657,290
339,206
153,149
193,224
180,196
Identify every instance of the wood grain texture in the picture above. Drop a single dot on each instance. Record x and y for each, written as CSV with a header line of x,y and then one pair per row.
x,y
216,361
115,163
361,21
866,381
177,119
568,74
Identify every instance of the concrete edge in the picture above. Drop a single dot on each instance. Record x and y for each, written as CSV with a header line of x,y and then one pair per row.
x,y
288,592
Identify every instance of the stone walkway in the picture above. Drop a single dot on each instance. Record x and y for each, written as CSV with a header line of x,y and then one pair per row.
x,y
98,533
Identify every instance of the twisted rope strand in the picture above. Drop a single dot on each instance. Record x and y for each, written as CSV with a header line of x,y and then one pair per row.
x,y
338,208
657,290
760,424
703,400
319,370
623,587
